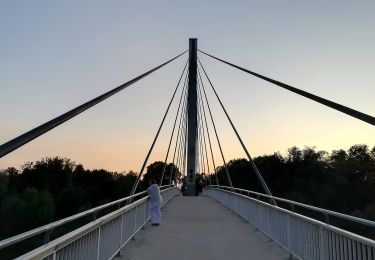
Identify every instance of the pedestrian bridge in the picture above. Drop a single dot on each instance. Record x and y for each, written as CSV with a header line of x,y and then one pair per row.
x,y
221,223
201,228
242,225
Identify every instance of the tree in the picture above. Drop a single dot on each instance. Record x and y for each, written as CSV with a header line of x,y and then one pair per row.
x,y
124,183
56,187
294,154
4,180
154,171
50,174
21,212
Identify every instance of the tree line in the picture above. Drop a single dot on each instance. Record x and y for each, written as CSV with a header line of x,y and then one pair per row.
x,y
54,188
342,181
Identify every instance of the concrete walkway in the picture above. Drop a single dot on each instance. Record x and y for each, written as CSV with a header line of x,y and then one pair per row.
x,y
200,228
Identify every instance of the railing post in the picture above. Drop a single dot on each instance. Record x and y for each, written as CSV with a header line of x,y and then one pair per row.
x,y
135,222
326,216
145,211
268,223
321,249
98,248
47,235
121,231
288,232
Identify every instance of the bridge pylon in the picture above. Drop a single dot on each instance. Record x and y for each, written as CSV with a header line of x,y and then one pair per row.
x,y
192,133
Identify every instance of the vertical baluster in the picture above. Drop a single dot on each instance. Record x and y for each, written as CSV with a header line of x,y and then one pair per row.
x,y
359,254
121,230
311,243
350,249
341,246
345,245
329,240
135,220
363,251
98,246
288,243
334,244
369,255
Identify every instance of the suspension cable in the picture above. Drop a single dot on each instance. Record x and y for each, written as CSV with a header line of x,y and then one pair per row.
x,y
156,137
200,144
208,132
183,133
204,140
217,136
182,137
203,161
42,129
264,185
178,138
344,109
174,126
203,136
201,166
186,140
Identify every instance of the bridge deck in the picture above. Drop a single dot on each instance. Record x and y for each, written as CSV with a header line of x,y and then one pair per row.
x,y
200,228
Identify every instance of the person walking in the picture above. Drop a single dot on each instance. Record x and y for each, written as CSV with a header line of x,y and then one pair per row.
x,y
155,201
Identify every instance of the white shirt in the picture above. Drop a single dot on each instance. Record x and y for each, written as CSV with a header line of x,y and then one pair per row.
x,y
154,194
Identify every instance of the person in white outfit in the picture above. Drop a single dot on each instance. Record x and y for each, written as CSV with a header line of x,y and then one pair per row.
x,y
155,201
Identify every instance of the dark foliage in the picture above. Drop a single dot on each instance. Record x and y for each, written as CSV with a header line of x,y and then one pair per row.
x,y
154,171
342,181
54,188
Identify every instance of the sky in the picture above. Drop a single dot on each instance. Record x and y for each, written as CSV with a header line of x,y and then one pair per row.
x,y
56,55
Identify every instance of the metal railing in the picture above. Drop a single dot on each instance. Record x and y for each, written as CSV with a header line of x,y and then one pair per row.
x,y
303,237
49,228
325,212
52,226
104,237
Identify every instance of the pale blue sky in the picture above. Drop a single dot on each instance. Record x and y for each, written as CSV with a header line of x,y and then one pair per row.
x,y
57,55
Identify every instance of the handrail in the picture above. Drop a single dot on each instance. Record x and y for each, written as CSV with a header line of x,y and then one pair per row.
x,y
294,203
303,237
20,237
59,243
365,240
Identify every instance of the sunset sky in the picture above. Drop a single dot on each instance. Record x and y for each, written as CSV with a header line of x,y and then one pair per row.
x,y
56,55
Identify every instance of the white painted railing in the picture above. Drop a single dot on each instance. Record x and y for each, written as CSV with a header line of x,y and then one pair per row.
x,y
49,228
102,238
303,237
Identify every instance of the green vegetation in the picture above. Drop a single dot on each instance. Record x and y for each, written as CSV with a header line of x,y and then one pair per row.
x,y
54,188
342,181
